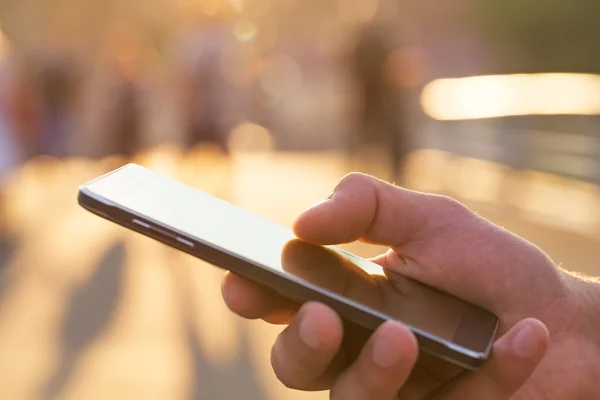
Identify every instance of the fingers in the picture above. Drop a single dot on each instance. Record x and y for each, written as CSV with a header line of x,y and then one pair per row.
x,y
363,207
436,241
514,359
381,369
253,301
304,355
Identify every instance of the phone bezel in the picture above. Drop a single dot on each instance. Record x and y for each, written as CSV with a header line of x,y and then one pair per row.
x,y
296,290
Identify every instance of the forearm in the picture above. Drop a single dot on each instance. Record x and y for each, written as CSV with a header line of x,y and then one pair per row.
x,y
589,290
591,302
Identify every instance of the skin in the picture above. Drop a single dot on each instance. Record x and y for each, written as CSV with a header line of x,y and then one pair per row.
x,y
547,346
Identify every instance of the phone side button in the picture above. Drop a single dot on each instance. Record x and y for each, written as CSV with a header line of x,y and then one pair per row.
x,y
140,223
186,242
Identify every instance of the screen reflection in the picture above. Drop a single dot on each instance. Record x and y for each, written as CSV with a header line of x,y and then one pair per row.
x,y
392,294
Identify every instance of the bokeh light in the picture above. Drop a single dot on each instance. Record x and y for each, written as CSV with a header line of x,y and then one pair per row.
x,y
250,137
282,77
246,31
497,96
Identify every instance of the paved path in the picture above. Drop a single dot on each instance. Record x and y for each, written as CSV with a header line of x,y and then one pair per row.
x,y
90,311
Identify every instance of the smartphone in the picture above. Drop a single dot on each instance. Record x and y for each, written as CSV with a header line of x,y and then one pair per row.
x,y
269,254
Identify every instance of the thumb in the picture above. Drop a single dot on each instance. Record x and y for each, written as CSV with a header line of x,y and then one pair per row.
x,y
514,359
366,208
436,240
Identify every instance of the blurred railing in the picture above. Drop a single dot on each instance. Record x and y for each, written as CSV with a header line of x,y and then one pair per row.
x,y
574,155
546,176
542,122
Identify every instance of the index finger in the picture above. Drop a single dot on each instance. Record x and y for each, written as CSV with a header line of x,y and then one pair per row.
x,y
252,301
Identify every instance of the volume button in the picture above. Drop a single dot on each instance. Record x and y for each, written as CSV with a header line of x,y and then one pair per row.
x,y
163,232
140,223
186,242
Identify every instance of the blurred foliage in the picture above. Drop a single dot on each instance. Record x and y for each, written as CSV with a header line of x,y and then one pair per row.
x,y
543,35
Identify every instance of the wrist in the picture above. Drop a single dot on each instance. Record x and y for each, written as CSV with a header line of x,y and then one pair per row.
x,y
588,337
591,305
588,293
585,294
586,333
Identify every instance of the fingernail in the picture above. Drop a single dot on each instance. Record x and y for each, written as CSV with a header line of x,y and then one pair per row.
x,y
309,332
526,343
385,351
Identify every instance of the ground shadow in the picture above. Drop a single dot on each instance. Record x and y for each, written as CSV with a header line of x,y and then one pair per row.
x,y
8,245
238,380
90,310
8,248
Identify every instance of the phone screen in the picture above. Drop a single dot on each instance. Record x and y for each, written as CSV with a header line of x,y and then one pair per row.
x,y
269,245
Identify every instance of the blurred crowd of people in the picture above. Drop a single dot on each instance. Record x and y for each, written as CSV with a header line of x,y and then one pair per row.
x,y
127,93
58,104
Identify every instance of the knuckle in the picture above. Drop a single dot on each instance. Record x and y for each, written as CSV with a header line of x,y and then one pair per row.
x,y
449,205
447,201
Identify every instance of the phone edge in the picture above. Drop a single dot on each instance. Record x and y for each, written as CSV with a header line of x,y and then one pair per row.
x,y
440,349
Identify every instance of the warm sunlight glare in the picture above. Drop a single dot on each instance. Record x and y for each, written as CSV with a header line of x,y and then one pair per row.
x,y
507,95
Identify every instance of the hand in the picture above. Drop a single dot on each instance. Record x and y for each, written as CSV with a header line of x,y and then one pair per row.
x,y
546,347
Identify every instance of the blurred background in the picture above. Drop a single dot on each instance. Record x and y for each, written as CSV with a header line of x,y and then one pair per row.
x,y
265,103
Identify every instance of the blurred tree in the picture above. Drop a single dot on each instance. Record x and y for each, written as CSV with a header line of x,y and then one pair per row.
x,y
542,35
